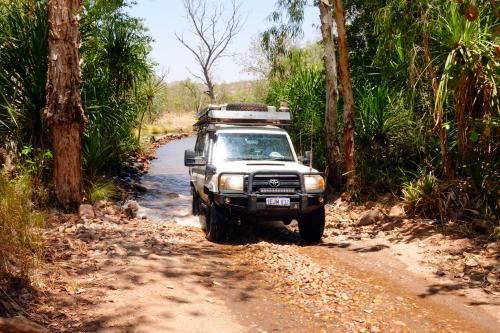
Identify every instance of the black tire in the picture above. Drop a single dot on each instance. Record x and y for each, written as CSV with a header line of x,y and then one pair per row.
x,y
195,206
312,226
217,224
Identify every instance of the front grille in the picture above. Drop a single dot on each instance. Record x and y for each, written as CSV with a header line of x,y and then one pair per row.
x,y
288,183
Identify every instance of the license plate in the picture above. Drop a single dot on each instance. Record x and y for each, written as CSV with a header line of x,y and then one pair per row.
x,y
280,202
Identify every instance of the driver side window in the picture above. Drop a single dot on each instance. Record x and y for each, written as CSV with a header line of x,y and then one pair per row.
x,y
201,143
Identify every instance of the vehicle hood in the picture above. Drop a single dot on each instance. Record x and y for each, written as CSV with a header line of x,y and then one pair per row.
x,y
251,166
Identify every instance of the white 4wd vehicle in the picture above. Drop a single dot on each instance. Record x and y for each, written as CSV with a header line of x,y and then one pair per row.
x,y
244,167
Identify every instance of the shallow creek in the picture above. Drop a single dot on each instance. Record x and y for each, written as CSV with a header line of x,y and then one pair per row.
x,y
168,198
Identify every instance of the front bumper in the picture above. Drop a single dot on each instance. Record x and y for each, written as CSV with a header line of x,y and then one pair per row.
x,y
253,200
255,204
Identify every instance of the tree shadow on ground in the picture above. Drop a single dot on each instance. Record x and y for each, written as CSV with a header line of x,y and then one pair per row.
x,y
443,238
173,256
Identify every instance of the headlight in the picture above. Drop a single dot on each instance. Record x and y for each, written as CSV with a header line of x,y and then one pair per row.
x,y
314,183
231,183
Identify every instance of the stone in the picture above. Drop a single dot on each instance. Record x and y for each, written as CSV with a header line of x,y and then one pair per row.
x,y
139,166
140,188
493,276
457,246
131,208
471,262
480,226
86,211
371,217
370,204
111,219
397,211
86,235
493,248
110,210
101,204
20,325
119,250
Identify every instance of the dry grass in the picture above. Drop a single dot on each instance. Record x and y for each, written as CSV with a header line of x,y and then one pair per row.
x,y
100,189
20,228
171,122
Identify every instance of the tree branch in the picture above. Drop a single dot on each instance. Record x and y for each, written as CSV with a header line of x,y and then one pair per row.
x,y
213,32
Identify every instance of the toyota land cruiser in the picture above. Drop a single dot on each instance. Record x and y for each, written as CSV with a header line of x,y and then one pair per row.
x,y
244,167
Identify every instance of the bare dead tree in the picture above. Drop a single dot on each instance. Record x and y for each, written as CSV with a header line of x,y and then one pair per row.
x,y
214,31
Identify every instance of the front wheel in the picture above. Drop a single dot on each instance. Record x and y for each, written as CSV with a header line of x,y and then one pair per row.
x,y
312,226
217,221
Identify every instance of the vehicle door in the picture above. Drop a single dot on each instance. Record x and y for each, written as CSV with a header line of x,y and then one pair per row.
x,y
198,172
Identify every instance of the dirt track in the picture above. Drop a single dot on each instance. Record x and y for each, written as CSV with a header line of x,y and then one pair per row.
x,y
138,276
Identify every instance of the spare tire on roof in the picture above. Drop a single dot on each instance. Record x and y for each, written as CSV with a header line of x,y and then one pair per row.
x,y
246,107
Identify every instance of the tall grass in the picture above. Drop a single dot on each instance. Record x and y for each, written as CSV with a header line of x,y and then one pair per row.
x,y
20,228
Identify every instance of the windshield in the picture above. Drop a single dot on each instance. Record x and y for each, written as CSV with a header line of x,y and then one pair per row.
x,y
255,147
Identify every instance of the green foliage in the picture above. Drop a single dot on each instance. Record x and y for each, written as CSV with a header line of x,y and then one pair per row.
x,y
381,117
305,93
20,236
36,161
423,195
115,49
388,138
23,69
188,96
278,40
411,62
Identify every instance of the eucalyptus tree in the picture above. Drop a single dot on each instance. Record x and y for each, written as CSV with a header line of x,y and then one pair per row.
x,y
332,95
288,19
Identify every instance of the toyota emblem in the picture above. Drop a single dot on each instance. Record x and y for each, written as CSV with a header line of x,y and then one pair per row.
x,y
274,183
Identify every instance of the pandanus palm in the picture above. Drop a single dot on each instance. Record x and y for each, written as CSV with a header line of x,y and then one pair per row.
x,y
453,46
470,67
23,69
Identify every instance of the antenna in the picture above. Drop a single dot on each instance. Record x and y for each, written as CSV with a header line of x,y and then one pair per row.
x,y
300,143
312,154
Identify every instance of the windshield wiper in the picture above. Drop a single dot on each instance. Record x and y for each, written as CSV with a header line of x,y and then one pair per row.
x,y
243,159
283,159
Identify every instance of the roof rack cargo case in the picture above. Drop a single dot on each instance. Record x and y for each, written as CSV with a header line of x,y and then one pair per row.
x,y
244,114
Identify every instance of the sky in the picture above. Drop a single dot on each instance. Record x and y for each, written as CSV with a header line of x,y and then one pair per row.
x,y
164,18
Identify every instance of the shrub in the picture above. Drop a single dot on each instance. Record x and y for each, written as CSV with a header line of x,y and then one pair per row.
x,y
455,200
100,190
422,195
20,223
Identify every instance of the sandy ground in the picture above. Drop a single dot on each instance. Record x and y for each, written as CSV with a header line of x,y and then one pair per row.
x,y
113,274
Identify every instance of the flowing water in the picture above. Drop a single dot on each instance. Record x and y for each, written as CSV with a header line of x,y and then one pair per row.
x,y
168,198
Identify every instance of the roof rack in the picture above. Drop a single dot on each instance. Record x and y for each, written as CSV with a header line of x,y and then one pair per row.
x,y
244,114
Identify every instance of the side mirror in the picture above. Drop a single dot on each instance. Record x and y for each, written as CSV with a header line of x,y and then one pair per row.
x,y
307,157
190,159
